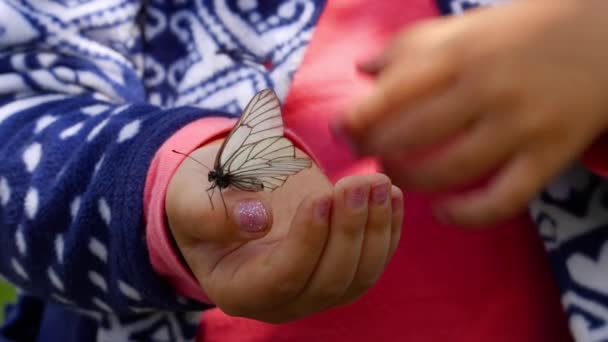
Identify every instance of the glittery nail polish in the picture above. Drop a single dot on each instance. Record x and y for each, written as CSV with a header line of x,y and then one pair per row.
x,y
323,209
357,197
380,193
251,216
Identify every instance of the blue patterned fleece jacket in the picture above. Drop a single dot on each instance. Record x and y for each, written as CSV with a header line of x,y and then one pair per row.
x,y
89,89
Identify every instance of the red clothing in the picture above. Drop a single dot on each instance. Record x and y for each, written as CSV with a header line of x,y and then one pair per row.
x,y
444,283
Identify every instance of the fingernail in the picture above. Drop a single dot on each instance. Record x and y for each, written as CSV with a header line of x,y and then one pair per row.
x,y
323,209
380,193
251,216
357,197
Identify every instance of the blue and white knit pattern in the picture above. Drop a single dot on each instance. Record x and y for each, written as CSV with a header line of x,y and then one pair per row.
x,y
572,217
89,89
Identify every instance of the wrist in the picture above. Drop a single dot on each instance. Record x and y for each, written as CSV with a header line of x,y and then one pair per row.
x,y
164,257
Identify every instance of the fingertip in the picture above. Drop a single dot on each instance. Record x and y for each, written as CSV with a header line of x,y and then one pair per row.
x,y
313,212
342,183
472,211
380,189
376,178
251,216
371,67
357,121
322,209
243,220
396,199
397,219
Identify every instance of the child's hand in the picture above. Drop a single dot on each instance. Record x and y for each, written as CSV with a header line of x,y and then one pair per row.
x,y
317,246
520,89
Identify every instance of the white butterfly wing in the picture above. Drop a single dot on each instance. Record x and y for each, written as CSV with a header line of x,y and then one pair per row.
x,y
260,120
256,154
268,162
268,174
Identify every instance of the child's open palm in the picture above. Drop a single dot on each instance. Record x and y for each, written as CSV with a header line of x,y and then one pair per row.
x,y
280,256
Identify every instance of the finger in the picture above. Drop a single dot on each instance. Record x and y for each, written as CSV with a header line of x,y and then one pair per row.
x,y
397,211
196,211
341,256
428,122
245,219
293,310
474,154
397,88
373,66
425,33
417,62
377,239
506,196
288,266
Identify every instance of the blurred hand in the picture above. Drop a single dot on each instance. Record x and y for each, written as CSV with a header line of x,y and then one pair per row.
x,y
517,90
279,256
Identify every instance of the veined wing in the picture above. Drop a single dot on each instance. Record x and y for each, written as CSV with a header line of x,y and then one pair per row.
x,y
260,120
265,150
270,173
248,184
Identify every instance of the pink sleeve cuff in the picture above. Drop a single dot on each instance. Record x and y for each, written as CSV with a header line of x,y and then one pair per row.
x,y
596,157
164,258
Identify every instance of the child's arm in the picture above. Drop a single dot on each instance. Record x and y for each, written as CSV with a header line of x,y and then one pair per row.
x,y
76,141
519,89
272,256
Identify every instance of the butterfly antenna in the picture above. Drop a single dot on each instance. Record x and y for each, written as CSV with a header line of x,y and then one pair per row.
x,y
196,161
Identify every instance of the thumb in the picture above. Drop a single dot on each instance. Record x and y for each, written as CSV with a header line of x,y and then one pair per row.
x,y
251,217
241,220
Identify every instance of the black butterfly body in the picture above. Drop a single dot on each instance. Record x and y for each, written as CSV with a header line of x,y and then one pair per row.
x,y
217,177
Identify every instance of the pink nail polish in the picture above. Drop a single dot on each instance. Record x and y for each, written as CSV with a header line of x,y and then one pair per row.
x,y
380,193
357,197
251,216
323,209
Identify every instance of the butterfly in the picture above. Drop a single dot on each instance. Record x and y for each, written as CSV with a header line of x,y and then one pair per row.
x,y
255,156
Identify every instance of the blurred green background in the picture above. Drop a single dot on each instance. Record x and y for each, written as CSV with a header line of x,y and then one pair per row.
x,y
7,295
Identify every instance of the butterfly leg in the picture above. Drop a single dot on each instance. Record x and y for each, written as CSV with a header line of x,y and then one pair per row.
x,y
212,189
224,202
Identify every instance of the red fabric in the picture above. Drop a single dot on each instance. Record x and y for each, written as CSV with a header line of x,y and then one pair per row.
x,y
444,283
596,157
